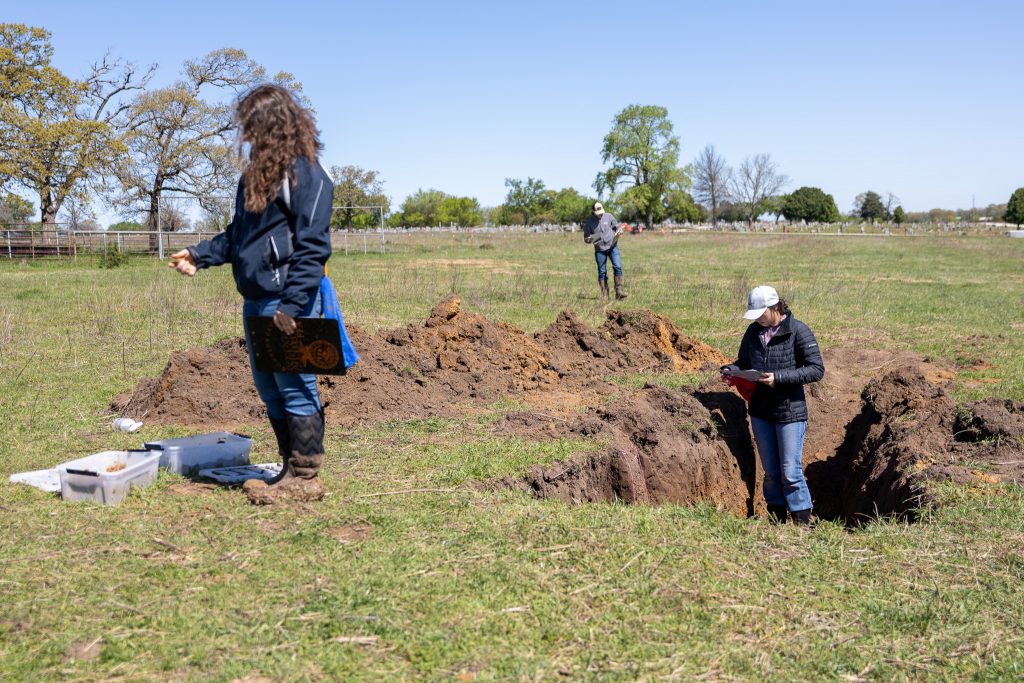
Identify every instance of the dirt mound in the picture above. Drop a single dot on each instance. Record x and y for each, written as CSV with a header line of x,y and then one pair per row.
x,y
868,452
199,382
455,359
993,418
655,343
663,448
905,436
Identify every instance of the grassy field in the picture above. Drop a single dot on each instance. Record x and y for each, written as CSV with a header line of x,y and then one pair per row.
x,y
457,583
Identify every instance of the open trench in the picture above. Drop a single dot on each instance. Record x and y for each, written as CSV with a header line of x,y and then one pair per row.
x,y
668,446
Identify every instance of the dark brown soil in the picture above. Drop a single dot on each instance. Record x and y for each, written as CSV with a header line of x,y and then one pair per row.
x,y
456,359
881,423
664,448
872,454
909,432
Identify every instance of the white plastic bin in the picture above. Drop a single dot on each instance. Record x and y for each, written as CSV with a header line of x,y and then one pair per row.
x,y
107,477
190,454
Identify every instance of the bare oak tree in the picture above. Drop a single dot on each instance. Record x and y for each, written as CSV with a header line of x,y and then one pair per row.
x,y
711,179
756,180
179,138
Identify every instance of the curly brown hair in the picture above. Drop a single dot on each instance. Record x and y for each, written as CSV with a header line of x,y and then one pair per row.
x,y
782,307
279,130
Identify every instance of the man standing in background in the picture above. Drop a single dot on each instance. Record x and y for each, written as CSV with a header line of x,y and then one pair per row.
x,y
603,232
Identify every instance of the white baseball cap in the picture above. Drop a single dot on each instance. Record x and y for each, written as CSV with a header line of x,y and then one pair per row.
x,y
758,301
598,208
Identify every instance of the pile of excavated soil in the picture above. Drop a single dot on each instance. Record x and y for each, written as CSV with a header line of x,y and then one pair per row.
x,y
454,360
663,448
910,432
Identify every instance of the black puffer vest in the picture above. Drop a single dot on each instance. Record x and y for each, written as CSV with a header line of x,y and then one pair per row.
x,y
794,357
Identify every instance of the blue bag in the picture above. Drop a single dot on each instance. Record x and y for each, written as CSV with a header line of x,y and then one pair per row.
x,y
329,299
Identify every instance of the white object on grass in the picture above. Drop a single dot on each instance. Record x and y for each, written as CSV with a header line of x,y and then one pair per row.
x,y
44,480
126,424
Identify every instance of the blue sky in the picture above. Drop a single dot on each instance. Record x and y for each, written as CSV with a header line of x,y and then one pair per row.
x,y
922,99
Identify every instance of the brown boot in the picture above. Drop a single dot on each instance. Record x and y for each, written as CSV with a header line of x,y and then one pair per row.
x,y
299,481
604,289
620,293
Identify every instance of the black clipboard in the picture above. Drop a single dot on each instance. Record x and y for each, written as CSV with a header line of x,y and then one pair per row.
x,y
314,348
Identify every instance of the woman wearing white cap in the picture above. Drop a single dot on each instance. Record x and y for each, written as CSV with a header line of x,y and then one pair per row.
x,y
786,354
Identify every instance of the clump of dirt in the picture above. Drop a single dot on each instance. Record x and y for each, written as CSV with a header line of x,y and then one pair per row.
x,y
905,435
196,385
455,359
991,419
663,447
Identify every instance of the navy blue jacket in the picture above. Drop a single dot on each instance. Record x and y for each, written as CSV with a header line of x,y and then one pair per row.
x,y
794,357
280,251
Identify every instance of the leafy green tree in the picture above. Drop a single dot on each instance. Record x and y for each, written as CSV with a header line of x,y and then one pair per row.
x,y
869,206
810,204
527,197
774,206
435,208
899,215
1015,208
357,187
681,207
644,156
569,206
463,212
14,208
421,208
732,212
57,134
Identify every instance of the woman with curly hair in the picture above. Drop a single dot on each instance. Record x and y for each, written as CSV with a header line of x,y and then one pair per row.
x,y
277,243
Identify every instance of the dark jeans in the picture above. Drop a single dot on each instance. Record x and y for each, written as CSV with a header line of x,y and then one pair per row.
x,y
602,258
284,393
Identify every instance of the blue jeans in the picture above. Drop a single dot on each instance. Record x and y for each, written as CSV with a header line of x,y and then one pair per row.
x,y
284,393
602,262
781,447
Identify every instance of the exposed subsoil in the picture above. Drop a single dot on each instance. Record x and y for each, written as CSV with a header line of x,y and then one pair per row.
x,y
454,360
881,423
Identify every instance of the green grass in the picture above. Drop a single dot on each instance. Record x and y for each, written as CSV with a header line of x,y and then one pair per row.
x,y
458,581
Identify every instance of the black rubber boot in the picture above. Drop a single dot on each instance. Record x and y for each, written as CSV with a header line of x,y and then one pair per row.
x,y
777,514
802,517
300,481
284,447
620,293
604,289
